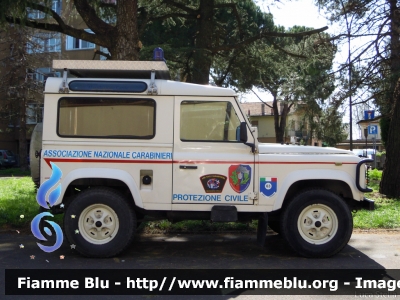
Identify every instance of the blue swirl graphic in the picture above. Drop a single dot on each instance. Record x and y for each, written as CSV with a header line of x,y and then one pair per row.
x,y
36,232
54,195
41,199
47,185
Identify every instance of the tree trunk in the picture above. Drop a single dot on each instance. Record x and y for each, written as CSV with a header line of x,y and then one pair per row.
x,y
394,62
22,134
394,49
284,113
202,57
391,172
280,120
278,131
126,44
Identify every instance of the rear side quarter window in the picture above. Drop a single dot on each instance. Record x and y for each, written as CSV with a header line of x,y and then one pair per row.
x,y
85,117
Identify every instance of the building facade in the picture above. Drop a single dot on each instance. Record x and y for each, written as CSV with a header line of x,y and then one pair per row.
x,y
261,115
45,46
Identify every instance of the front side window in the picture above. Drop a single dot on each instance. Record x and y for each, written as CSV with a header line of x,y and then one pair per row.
x,y
208,121
106,118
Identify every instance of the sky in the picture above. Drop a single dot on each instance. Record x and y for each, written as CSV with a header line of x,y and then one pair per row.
x,y
304,13
300,12
290,13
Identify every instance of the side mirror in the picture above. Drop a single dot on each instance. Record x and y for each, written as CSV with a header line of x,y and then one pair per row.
x,y
241,135
243,132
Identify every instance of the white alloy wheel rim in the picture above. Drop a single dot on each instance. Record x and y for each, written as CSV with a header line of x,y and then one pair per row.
x,y
98,224
317,224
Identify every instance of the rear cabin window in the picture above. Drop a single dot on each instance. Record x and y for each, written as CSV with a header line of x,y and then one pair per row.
x,y
209,121
106,118
108,86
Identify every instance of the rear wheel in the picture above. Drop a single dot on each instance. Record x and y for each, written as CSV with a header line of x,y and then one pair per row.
x,y
34,153
317,223
99,222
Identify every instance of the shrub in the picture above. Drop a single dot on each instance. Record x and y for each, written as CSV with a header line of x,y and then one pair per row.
x,y
375,174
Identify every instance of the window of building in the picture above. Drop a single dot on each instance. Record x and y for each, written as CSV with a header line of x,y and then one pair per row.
x,y
44,42
41,74
104,50
254,123
78,44
36,14
34,113
56,6
53,44
106,118
208,121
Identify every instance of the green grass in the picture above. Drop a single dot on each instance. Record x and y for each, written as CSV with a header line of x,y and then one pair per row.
x,y
14,172
18,198
385,215
387,211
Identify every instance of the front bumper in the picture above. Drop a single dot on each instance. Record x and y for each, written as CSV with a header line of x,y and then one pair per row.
x,y
366,203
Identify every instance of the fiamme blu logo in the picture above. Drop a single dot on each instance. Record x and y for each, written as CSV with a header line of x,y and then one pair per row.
x,y
47,196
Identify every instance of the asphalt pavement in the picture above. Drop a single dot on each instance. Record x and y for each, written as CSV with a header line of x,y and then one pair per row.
x,y
376,250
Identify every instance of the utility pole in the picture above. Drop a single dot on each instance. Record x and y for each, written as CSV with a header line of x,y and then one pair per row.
x,y
348,26
366,141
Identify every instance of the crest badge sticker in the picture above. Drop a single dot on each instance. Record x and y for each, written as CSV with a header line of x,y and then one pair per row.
x,y
268,186
239,177
213,183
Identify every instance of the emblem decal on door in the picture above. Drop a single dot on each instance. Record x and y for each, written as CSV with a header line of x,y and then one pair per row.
x,y
268,186
239,177
213,183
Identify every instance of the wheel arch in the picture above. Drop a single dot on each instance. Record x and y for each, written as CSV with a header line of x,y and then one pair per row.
x,y
95,177
317,223
104,222
299,181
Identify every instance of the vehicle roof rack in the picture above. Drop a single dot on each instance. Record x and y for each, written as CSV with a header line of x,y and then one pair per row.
x,y
113,68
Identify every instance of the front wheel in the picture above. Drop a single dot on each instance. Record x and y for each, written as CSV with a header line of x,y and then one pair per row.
x,y
99,222
317,223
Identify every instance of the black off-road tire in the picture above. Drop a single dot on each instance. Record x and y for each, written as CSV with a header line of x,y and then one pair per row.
x,y
35,148
317,223
99,222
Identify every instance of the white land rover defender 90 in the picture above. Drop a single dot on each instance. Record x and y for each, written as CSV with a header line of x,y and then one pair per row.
x,y
128,143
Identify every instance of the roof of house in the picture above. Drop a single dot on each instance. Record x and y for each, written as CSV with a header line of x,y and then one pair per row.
x,y
257,109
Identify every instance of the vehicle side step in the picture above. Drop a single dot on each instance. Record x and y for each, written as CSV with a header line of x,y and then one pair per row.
x,y
221,213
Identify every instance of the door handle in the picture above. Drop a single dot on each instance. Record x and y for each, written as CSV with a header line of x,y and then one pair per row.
x,y
188,167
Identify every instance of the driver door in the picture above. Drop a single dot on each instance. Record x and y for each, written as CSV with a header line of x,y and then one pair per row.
x,y
211,166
